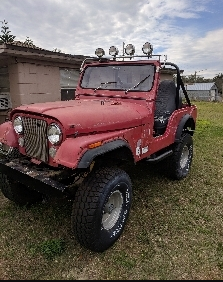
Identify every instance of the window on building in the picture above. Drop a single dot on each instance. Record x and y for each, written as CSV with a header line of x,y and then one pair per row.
x,y
68,83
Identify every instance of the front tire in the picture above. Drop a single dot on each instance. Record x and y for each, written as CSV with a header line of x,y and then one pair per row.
x,y
17,192
180,161
101,208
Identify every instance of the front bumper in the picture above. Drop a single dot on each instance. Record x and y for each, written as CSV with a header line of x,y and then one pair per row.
x,y
35,177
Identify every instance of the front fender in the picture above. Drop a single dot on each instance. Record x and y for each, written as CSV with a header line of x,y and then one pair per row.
x,y
8,135
75,152
89,155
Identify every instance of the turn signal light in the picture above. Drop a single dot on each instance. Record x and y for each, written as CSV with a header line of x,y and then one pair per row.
x,y
94,145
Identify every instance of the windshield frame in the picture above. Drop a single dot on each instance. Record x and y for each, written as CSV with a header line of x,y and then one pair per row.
x,y
119,72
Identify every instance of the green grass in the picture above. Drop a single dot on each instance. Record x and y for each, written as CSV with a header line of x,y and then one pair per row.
x,y
49,248
174,231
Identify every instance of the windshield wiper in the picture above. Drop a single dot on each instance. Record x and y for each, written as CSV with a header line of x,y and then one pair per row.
x,y
104,83
126,91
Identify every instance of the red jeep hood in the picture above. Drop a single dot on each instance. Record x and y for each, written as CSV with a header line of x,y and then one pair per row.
x,y
90,115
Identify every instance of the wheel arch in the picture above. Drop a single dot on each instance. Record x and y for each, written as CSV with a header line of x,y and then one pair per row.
x,y
187,123
118,148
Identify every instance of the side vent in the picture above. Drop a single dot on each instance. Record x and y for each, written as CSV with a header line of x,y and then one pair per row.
x,y
5,101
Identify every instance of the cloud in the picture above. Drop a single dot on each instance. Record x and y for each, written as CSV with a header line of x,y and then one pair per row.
x,y
78,27
198,53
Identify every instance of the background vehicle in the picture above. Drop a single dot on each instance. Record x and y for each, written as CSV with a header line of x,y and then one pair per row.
x,y
122,113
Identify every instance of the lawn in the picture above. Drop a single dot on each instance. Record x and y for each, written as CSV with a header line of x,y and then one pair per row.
x,y
174,231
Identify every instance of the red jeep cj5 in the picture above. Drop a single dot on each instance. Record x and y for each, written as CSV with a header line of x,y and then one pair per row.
x,y
122,112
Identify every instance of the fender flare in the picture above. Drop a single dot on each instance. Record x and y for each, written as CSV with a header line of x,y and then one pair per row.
x,y
8,135
181,125
89,155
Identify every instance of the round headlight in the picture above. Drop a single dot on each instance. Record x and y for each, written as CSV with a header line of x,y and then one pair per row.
x,y
147,48
113,51
130,50
99,52
18,127
54,134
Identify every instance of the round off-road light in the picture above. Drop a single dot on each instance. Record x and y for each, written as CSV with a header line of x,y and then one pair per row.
x,y
147,48
130,50
113,51
99,52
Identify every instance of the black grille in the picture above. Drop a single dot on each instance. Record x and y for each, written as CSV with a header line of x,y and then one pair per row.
x,y
35,136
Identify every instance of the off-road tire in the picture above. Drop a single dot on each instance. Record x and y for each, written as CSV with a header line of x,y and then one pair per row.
x,y
101,208
17,192
180,161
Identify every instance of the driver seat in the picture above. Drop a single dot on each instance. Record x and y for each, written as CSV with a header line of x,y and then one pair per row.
x,y
165,105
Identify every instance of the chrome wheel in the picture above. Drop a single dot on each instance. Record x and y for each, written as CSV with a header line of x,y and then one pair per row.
x,y
184,157
101,208
112,210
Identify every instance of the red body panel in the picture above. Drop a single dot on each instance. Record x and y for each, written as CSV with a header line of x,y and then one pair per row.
x,y
78,146
8,135
87,116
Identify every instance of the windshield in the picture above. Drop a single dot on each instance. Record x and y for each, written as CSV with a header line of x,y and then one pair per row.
x,y
119,77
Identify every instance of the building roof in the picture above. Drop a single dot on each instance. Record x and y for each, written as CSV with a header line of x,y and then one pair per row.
x,y
19,49
24,44
29,47
201,86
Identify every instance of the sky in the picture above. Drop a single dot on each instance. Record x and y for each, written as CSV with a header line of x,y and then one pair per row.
x,y
188,32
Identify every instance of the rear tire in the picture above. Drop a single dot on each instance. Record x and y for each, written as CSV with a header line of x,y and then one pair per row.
x,y
180,161
101,208
17,192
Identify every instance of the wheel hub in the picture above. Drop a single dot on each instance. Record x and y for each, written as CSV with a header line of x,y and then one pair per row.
x,y
109,208
112,210
184,157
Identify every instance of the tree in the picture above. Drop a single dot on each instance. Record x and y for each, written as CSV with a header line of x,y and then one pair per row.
x,y
57,50
29,42
218,79
195,79
6,37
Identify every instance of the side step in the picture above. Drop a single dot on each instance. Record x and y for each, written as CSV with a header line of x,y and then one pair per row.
x,y
155,158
